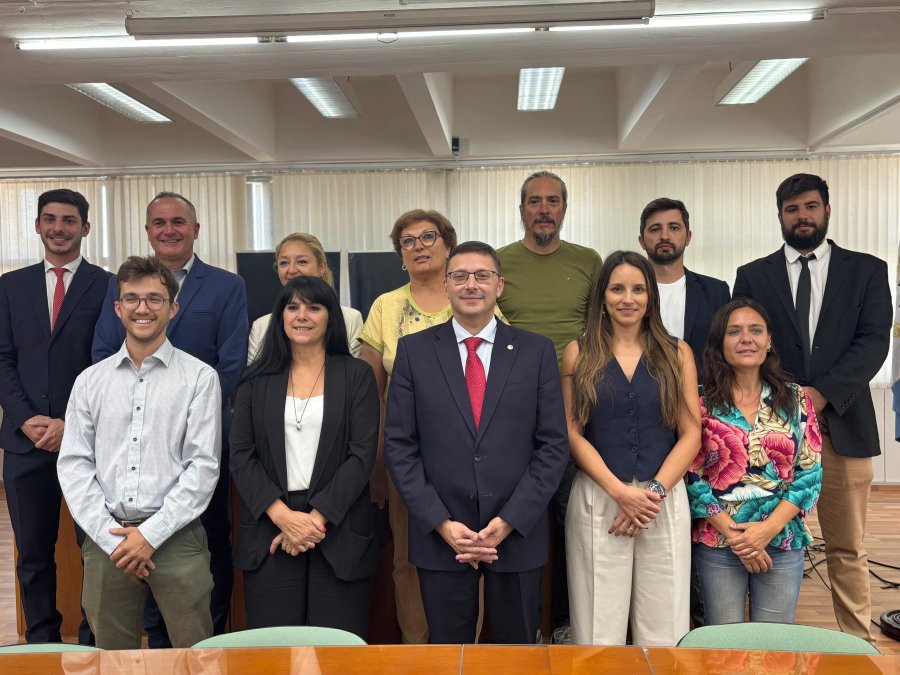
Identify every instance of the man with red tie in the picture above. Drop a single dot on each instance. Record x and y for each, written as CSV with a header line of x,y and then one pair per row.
x,y
47,317
476,443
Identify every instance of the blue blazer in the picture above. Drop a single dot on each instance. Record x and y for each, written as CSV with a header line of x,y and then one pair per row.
x,y
851,341
703,297
211,325
37,367
444,469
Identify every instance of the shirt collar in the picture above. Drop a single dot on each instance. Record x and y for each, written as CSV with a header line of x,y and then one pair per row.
x,y
488,333
71,266
163,354
793,255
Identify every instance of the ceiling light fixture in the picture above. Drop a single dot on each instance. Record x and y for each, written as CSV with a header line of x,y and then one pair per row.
x,y
128,42
120,102
327,96
699,20
538,88
749,81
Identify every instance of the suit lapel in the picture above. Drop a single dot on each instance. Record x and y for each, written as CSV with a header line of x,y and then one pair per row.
x,y
776,273
275,398
333,409
192,283
84,277
691,302
836,268
503,355
36,287
446,350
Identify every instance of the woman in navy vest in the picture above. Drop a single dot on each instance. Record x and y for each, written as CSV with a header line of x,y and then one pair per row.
x,y
634,427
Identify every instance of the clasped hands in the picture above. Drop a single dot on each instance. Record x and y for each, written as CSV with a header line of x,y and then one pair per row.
x,y
132,556
749,544
471,547
300,532
638,507
45,432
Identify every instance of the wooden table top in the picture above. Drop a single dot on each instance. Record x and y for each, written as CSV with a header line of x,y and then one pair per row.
x,y
445,660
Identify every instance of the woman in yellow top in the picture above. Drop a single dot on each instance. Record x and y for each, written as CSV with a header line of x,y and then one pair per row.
x,y
423,240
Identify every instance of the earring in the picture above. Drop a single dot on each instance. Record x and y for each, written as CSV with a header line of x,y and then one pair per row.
x,y
769,348
403,267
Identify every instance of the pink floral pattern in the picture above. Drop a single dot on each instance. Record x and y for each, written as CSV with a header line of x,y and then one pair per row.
x,y
723,453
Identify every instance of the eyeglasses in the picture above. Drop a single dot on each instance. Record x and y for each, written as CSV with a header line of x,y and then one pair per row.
x,y
427,239
461,277
153,302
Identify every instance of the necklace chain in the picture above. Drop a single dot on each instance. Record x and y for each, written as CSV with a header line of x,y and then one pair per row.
x,y
299,420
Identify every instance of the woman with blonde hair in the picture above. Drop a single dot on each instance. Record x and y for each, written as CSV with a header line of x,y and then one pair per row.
x,y
634,426
302,254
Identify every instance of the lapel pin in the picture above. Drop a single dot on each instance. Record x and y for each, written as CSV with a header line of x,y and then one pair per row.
x,y
509,347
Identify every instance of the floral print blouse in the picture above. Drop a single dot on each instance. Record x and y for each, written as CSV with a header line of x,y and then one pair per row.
x,y
746,471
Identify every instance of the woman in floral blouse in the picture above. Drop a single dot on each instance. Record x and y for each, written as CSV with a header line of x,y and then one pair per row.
x,y
757,474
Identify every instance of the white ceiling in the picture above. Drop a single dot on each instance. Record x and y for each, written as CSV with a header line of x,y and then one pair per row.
x,y
646,92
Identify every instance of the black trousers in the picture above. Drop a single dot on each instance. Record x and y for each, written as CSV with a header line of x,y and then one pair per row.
x,y
559,588
303,591
217,524
510,604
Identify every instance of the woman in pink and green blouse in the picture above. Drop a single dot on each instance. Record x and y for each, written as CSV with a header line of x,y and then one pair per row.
x,y
757,475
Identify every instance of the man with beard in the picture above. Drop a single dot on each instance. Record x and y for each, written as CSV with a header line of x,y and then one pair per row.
x,y
831,319
688,300
549,283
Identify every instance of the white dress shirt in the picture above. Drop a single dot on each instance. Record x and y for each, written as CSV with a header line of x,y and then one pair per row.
x,y
51,279
181,274
141,443
818,275
301,445
487,334
672,301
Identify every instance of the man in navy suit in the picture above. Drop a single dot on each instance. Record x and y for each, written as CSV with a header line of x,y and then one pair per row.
x,y
688,300
211,325
47,317
476,443
831,324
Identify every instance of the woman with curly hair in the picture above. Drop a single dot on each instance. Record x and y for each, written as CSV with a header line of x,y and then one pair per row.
x,y
757,474
634,426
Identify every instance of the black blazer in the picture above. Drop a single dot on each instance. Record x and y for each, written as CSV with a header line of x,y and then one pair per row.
x,y
703,297
444,469
37,367
339,487
851,341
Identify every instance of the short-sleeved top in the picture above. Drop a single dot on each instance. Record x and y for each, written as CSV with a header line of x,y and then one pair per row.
x,y
747,470
626,424
549,293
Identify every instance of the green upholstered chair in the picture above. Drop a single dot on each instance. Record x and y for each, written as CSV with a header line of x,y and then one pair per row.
x,y
45,648
282,636
776,637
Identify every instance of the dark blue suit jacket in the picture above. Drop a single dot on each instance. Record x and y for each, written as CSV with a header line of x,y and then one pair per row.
x,y
444,469
703,297
211,325
37,367
851,341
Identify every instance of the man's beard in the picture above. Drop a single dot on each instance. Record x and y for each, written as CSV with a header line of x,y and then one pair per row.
x,y
806,242
544,239
666,258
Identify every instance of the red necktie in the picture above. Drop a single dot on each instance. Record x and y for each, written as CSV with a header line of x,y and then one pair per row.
x,y
475,379
58,295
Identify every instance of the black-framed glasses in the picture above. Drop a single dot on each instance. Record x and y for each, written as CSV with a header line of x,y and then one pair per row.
x,y
153,302
460,277
427,238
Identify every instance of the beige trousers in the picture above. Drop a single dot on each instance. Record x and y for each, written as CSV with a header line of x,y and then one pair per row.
x,y
407,595
613,579
843,502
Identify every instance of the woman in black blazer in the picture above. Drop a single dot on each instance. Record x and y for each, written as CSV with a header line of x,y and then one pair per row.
x,y
303,444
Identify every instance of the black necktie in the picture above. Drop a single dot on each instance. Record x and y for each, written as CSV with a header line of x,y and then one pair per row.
x,y
804,291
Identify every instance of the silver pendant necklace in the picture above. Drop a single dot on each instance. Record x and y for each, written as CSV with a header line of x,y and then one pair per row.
x,y
298,420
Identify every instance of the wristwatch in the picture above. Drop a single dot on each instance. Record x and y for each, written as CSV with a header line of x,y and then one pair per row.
x,y
656,487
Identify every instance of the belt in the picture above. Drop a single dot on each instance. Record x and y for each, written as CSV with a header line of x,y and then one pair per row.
x,y
129,523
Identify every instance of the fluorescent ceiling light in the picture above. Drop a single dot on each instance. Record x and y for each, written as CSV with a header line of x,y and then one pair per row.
x,y
121,103
734,18
325,94
128,42
538,88
748,84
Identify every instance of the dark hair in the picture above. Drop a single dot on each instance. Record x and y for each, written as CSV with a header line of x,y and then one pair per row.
x,y
660,349
173,195
717,376
275,351
797,185
137,267
544,174
474,247
665,204
444,228
64,196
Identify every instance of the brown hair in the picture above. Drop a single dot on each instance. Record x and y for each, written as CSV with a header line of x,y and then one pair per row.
x,y
137,267
444,228
317,250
